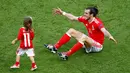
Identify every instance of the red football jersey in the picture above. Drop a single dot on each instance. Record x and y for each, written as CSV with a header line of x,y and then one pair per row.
x,y
26,38
93,28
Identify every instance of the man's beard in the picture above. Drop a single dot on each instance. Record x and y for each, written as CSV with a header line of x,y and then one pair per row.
x,y
88,18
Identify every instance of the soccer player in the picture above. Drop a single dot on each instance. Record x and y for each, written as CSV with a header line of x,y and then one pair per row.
x,y
25,35
93,42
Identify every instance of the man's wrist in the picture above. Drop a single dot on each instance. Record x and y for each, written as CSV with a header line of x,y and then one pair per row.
x,y
63,13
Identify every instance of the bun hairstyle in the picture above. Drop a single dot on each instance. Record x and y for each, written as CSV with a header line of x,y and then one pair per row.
x,y
27,20
93,10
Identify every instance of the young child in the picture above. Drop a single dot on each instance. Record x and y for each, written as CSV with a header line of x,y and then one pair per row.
x,y
25,35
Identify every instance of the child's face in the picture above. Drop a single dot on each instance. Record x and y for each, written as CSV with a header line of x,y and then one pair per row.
x,y
28,25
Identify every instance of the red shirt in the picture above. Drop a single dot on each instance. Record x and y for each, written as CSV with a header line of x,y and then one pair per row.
x,y
26,38
93,28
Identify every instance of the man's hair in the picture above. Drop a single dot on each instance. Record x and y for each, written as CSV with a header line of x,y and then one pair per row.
x,y
27,20
93,10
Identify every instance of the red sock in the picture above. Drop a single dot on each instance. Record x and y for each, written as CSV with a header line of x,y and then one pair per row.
x,y
75,48
64,39
17,63
33,64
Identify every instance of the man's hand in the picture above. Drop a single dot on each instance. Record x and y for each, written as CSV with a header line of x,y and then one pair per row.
x,y
107,34
68,15
111,38
57,11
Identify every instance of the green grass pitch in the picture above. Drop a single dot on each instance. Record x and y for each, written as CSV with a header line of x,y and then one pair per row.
x,y
49,28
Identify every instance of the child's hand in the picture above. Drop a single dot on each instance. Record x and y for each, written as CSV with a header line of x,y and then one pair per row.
x,y
13,42
32,30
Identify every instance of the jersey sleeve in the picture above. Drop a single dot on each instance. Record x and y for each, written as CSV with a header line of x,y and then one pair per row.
x,y
19,37
100,25
81,19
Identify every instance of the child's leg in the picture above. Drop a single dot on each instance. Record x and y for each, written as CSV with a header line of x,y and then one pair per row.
x,y
18,54
17,60
32,59
30,53
34,66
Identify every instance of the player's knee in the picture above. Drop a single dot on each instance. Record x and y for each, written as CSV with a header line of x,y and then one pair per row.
x,y
83,38
71,31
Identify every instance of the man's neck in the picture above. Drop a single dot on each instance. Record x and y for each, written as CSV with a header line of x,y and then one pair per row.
x,y
91,19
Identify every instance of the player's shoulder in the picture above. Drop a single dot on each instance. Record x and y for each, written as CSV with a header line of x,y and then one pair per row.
x,y
22,29
97,20
32,30
81,18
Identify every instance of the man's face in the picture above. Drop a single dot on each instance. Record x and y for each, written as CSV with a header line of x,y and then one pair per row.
x,y
87,14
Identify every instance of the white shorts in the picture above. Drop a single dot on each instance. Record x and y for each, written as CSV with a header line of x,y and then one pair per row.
x,y
29,52
96,47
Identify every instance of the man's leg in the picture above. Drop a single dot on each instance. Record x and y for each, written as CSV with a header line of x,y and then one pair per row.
x,y
96,47
81,38
75,48
63,40
66,37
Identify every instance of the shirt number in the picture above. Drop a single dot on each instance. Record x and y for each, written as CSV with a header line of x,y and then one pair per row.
x,y
26,39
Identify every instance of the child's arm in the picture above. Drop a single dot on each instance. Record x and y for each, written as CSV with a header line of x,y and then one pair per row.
x,y
14,41
32,34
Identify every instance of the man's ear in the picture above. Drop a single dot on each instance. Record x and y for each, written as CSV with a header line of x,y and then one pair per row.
x,y
91,15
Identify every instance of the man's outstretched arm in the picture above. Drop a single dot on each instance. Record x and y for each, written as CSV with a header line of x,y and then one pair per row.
x,y
107,34
68,15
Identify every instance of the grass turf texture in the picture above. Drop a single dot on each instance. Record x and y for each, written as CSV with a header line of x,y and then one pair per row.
x,y
49,28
